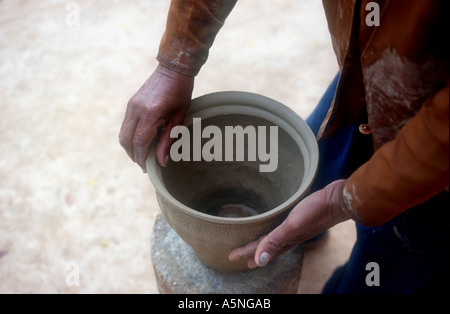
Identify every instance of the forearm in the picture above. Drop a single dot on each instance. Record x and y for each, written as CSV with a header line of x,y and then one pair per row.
x,y
404,172
192,26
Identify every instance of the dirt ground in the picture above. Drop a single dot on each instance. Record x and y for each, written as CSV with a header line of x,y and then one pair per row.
x,y
70,199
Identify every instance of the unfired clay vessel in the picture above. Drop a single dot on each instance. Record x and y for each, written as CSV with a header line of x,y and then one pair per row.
x,y
201,200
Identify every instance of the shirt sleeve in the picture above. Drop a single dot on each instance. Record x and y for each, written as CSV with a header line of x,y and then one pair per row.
x,y
404,172
191,28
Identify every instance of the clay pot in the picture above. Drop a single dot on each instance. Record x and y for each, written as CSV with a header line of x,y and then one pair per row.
x,y
217,206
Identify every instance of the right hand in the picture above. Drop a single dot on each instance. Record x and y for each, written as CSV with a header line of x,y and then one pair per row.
x,y
313,215
159,105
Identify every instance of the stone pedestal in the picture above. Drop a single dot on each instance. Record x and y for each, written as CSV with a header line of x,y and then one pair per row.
x,y
178,270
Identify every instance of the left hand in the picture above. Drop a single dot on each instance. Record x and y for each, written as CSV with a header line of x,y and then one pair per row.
x,y
313,215
158,106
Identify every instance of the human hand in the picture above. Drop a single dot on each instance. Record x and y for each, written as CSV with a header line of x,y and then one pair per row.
x,y
159,105
313,215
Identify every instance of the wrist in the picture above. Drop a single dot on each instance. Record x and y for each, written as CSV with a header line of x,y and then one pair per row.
x,y
178,67
174,83
172,73
340,207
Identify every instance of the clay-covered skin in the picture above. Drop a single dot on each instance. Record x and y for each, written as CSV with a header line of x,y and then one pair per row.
x,y
159,105
311,216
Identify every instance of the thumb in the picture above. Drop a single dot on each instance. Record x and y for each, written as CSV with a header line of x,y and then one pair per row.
x,y
275,243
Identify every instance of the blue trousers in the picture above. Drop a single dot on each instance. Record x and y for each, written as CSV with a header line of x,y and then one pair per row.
x,y
410,253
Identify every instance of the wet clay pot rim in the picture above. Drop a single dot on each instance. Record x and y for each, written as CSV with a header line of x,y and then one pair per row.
x,y
254,105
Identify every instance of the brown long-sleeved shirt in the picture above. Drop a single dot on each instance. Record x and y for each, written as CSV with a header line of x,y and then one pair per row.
x,y
397,72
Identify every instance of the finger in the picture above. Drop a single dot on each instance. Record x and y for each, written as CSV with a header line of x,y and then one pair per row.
x,y
126,135
244,251
143,137
251,263
165,141
163,146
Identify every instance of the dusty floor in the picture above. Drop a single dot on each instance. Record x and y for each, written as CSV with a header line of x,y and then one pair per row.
x,y
69,195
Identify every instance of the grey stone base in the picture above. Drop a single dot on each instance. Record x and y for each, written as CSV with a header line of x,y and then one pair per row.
x,y
178,270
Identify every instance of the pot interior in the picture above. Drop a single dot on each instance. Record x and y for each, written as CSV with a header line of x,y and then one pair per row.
x,y
236,188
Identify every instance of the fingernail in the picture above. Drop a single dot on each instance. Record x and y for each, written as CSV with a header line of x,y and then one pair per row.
x,y
263,259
